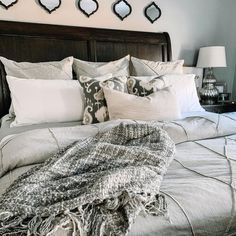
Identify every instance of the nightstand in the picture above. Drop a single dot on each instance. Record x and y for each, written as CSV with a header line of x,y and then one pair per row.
x,y
221,107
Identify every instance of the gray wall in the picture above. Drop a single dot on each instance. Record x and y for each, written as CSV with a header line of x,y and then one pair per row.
x,y
226,35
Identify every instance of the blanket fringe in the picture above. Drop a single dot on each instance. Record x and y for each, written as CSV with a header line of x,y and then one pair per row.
x,y
79,220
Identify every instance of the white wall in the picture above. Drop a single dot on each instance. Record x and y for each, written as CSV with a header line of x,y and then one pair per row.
x,y
190,23
183,19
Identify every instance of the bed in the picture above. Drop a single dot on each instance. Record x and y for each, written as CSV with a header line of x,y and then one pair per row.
x,y
199,186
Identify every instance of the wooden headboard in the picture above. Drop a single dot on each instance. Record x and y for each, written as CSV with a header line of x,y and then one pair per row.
x,y
41,42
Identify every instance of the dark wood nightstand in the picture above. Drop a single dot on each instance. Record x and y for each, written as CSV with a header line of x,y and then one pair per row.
x,y
221,107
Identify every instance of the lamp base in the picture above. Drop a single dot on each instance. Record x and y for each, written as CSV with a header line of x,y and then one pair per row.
x,y
209,93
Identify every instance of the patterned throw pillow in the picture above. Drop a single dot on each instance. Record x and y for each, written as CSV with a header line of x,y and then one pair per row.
x,y
95,104
145,85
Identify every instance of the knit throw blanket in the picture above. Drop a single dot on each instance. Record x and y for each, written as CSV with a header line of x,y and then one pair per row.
x,y
95,187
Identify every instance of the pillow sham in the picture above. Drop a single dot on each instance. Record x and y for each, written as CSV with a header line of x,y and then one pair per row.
x,y
58,70
95,104
161,105
140,67
43,101
94,69
183,85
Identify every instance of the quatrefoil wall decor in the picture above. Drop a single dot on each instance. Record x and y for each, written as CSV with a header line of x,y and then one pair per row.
x,y
8,3
152,12
122,9
88,7
50,5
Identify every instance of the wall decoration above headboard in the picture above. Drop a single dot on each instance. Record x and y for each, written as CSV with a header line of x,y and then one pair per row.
x,y
50,5
8,3
88,7
152,12
122,9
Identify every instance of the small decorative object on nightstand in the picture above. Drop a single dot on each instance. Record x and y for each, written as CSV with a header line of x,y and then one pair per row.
x,y
210,57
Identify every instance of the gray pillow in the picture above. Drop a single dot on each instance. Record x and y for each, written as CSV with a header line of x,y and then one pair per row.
x,y
140,67
95,104
94,69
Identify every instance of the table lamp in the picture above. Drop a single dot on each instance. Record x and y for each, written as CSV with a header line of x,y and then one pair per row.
x,y
210,57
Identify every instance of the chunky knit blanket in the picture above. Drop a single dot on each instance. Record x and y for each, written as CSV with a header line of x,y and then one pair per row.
x,y
97,186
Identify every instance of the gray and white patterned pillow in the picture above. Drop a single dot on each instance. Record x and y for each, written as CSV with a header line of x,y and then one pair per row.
x,y
145,85
95,104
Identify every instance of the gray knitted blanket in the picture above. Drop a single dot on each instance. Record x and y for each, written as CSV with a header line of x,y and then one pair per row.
x,y
97,186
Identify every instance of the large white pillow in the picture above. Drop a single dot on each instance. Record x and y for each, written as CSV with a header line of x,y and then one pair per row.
x,y
183,85
186,92
95,69
43,101
52,70
161,105
140,67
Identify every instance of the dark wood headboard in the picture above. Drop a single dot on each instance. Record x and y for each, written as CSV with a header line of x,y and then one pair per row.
x,y
41,42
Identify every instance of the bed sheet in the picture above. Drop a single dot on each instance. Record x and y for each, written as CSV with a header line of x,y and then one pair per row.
x,y
199,185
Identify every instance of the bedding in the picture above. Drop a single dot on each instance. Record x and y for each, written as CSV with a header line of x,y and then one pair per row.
x,y
161,105
141,67
122,184
199,186
38,101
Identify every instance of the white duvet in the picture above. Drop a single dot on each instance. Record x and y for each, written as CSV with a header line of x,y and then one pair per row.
x,y
199,185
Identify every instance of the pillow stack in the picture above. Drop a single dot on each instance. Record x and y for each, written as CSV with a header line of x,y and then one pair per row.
x,y
46,92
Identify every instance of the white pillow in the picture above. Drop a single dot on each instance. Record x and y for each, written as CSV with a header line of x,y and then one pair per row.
x,y
161,105
43,101
42,70
140,67
186,92
94,69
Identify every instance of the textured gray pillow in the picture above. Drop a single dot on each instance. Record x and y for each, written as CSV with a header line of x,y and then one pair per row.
x,y
95,103
94,69
41,70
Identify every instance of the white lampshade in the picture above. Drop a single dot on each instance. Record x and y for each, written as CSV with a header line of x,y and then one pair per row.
x,y
211,57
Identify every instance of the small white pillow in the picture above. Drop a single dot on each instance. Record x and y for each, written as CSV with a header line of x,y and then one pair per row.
x,y
43,101
94,69
140,67
161,105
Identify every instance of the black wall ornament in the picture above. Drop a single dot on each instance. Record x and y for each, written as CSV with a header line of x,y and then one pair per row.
x,y
50,5
152,12
8,3
122,9
88,7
